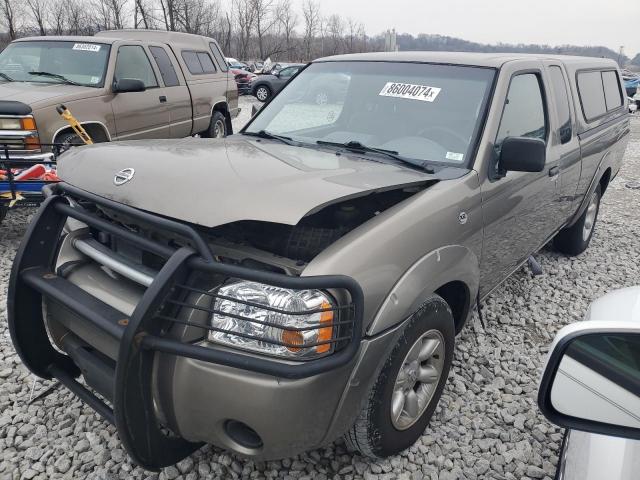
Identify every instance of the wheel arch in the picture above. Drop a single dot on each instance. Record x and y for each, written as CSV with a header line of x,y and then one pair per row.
x,y
452,272
96,130
223,107
604,180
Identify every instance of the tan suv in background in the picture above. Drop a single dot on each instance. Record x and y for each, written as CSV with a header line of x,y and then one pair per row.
x,y
121,84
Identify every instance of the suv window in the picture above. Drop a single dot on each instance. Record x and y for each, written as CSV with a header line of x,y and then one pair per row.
x,y
562,102
591,94
523,114
132,62
169,76
198,63
206,62
612,94
222,63
288,72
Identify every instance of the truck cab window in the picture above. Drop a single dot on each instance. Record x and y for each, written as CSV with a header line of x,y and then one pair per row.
x,y
133,63
561,98
523,114
169,76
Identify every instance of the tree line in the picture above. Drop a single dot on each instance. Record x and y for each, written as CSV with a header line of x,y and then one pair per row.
x,y
246,29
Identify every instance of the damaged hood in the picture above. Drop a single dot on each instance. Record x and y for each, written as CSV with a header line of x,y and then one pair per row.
x,y
212,182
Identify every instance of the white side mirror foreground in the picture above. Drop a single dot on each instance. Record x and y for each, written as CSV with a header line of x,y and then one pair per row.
x,y
592,379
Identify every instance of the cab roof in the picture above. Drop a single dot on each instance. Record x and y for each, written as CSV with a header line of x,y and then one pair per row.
x,y
490,60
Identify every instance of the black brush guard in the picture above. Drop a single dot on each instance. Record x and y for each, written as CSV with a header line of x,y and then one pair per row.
x,y
140,336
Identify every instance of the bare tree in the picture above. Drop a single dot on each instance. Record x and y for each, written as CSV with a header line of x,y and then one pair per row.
x,y
288,22
10,11
37,9
311,16
245,19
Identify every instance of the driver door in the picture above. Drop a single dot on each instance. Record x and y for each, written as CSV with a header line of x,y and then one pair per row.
x,y
139,114
519,208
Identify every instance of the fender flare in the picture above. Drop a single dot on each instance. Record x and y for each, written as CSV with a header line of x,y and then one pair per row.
x,y
435,269
595,180
88,122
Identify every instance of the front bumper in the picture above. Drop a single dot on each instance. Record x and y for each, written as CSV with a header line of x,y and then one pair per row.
x,y
155,378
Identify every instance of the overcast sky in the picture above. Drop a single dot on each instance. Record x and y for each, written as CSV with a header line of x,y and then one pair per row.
x,y
611,23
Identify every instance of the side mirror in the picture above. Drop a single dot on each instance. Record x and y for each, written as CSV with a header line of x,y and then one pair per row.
x,y
592,379
125,85
522,154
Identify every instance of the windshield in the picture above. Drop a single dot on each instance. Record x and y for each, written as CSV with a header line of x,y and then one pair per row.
x,y
422,111
82,63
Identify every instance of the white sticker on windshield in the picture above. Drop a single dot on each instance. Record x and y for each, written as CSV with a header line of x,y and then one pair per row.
x,y
410,91
87,47
95,79
456,157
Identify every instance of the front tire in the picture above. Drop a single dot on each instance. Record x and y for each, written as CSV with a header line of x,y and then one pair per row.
x,y
263,93
68,140
575,239
408,388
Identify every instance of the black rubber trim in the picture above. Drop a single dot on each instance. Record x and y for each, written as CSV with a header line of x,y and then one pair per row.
x,y
12,107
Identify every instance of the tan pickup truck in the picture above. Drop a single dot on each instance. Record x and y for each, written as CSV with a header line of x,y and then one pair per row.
x,y
124,84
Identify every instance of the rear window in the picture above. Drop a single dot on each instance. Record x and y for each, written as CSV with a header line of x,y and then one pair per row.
x,y
612,94
599,93
222,63
206,62
198,63
167,71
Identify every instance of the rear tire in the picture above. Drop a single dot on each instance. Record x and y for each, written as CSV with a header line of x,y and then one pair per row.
x,y
217,126
575,239
380,431
263,93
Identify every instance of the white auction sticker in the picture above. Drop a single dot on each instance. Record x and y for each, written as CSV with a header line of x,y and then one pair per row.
x,y
456,157
87,47
410,91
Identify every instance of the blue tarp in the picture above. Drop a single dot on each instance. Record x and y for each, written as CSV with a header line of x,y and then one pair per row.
x,y
635,83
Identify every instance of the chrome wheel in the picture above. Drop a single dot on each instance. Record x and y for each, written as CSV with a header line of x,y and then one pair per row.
x,y
262,94
417,379
590,216
219,129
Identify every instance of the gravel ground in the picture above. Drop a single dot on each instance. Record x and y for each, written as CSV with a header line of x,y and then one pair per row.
x,y
487,424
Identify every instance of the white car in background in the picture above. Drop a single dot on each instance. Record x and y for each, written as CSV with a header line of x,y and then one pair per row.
x,y
591,386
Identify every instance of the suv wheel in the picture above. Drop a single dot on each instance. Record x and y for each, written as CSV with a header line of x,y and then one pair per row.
x,y
408,388
263,93
217,126
68,140
575,239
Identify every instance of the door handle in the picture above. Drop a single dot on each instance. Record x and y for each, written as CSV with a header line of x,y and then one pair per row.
x,y
162,98
553,171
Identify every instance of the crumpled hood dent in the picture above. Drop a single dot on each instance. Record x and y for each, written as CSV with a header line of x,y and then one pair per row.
x,y
212,182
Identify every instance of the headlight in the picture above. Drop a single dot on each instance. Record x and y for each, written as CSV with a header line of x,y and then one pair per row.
x,y
280,325
10,124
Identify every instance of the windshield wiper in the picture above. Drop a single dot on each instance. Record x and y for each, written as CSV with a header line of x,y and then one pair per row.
x,y
271,136
55,75
6,77
356,146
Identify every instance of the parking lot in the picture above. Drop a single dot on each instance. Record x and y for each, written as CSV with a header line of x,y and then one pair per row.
x,y
486,426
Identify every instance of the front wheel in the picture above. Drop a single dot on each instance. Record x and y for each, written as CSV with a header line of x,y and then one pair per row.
x,y
408,388
263,93
575,239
